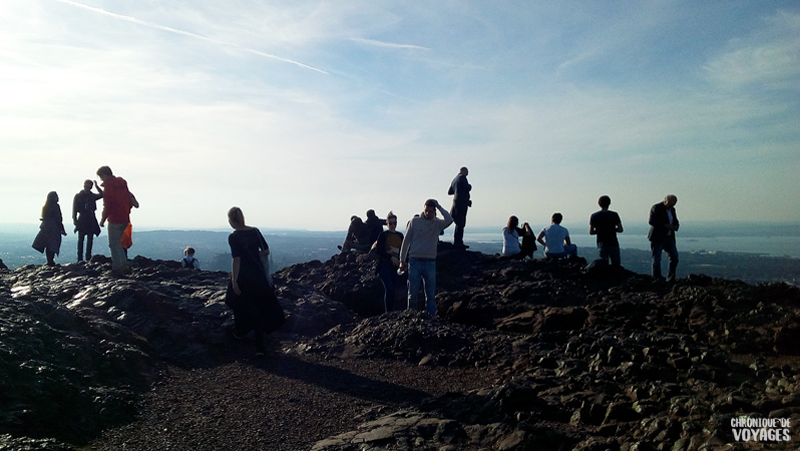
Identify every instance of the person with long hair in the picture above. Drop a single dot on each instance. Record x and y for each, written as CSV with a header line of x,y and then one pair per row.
x,y
250,295
511,234
387,246
48,240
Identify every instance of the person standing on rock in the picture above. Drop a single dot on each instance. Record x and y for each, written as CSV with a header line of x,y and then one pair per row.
x,y
250,295
556,239
84,204
418,253
459,189
48,240
387,246
663,225
606,224
117,203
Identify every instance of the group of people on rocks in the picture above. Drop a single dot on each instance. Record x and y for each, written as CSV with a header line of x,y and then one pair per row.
x,y
250,292
117,204
415,253
605,224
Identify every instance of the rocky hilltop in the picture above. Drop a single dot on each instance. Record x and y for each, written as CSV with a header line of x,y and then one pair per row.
x,y
522,355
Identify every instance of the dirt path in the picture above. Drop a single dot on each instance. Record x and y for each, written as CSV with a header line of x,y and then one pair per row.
x,y
283,402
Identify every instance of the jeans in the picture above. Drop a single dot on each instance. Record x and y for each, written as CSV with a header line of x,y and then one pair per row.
x,y
119,262
609,252
670,248
89,239
388,275
422,271
569,249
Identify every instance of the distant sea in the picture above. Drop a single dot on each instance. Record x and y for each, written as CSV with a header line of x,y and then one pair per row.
x,y
772,246
705,247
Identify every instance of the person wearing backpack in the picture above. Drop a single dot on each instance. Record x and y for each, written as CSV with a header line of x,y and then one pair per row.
x,y
188,259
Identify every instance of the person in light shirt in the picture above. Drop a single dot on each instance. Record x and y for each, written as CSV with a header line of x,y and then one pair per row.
x,y
555,239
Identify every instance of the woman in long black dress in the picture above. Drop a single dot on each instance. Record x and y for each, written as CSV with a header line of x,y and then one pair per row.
x,y
250,295
48,240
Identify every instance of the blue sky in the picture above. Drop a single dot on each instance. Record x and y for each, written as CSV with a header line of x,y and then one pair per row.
x,y
303,113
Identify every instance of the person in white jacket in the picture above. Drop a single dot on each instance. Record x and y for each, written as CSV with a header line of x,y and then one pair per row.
x,y
418,253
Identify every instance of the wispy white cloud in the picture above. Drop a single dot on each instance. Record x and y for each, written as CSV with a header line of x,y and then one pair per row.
x,y
770,57
390,45
193,35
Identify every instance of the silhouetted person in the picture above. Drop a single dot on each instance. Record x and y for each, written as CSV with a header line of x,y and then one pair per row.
x,y
556,239
459,189
418,253
250,295
606,224
374,225
388,247
663,225
48,240
511,234
188,260
117,203
84,204
358,237
2,265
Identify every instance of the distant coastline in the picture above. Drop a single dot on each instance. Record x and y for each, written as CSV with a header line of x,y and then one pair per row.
x,y
771,255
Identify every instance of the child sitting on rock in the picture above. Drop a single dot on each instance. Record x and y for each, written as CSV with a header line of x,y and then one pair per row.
x,y
188,259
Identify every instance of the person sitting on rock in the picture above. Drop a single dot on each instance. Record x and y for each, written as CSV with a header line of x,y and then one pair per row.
x,y
188,259
375,225
556,239
358,236
511,234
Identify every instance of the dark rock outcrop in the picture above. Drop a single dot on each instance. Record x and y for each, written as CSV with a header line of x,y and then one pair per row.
x,y
582,361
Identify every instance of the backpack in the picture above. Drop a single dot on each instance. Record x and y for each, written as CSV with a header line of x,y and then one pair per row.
x,y
188,262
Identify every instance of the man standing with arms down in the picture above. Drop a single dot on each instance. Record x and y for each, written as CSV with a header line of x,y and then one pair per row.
x,y
418,253
606,224
460,189
117,210
663,225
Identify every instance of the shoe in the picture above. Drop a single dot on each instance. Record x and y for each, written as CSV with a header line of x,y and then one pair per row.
x,y
260,353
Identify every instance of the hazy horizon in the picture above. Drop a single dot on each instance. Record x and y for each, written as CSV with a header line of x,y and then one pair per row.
x,y
704,228
303,114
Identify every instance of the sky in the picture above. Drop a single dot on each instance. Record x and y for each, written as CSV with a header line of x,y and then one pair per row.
x,y
304,113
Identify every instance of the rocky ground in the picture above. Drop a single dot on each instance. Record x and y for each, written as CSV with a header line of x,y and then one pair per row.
x,y
523,355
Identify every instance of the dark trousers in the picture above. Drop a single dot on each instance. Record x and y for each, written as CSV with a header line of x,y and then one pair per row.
x,y
389,278
89,240
459,214
671,250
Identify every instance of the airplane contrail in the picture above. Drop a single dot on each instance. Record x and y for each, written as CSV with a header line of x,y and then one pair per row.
x,y
186,33
388,44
